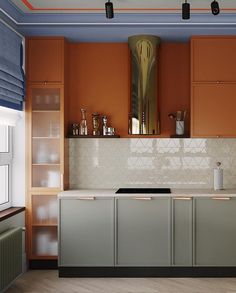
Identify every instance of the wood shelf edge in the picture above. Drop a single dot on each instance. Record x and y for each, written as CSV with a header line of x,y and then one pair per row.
x,y
130,136
93,136
179,136
44,225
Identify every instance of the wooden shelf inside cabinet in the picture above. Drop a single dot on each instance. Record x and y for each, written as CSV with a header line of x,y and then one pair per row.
x,y
93,136
45,111
46,137
44,225
46,164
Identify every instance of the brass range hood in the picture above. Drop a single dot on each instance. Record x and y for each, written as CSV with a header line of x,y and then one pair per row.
x,y
144,116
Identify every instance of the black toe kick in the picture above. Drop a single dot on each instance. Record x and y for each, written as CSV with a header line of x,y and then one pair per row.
x,y
144,272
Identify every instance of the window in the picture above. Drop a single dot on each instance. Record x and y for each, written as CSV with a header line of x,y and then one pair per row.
x,y
5,166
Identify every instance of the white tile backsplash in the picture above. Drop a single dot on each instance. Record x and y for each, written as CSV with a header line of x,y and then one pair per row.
x,y
132,162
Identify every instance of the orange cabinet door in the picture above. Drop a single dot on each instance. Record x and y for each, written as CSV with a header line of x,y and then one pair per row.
x,y
213,110
213,59
45,60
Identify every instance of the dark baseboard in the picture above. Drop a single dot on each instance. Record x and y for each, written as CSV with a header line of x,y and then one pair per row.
x,y
143,272
43,264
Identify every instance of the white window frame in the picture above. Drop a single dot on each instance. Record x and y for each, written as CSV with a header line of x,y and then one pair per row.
x,y
6,159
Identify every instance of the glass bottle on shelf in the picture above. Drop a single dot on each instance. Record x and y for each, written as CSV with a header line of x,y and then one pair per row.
x,y
83,129
96,123
75,129
104,125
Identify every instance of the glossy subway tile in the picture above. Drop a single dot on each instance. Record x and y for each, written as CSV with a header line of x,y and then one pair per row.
x,y
180,163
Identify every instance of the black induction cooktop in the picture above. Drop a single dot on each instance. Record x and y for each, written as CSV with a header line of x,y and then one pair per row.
x,y
143,190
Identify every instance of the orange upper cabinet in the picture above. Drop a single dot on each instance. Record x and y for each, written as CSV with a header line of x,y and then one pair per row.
x,y
45,60
213,58
213,89
213,110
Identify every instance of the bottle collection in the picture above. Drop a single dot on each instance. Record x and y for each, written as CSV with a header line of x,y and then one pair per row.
x,y
99,126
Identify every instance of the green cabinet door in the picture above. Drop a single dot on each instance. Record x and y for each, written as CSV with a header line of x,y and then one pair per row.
x,y
143,231
86,232
182,231
215,232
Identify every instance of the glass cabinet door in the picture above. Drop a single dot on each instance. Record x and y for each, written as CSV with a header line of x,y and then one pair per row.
x,y
46,134
44,225
44,241
44,210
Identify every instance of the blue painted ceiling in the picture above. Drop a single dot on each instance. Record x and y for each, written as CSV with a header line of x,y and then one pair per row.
x,y
94,27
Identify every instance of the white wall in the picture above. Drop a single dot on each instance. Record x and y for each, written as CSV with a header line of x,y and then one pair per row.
x,y
18,166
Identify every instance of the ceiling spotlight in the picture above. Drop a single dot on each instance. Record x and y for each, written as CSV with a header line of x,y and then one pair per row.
x,y
185,10
215,9
109,9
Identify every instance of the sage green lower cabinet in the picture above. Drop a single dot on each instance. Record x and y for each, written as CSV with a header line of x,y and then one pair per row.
x,y
143,232
86,232
215,232
147,231
182,234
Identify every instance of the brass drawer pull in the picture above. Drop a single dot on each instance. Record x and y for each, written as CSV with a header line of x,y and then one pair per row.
x,y
182,198
143,198
221,198
86,198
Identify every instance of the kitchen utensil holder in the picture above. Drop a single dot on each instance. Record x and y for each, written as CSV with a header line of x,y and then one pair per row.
x,y
179,127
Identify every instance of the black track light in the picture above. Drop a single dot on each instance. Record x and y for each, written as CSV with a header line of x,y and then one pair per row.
x,y
185,10
215,9
109,9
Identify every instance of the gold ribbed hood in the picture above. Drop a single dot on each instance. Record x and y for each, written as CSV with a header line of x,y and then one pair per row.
x,y
144,118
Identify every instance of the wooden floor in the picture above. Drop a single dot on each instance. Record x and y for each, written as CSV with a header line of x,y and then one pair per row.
x,y
48,281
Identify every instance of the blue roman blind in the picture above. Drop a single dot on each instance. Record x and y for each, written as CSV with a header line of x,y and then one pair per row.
x,y
11,71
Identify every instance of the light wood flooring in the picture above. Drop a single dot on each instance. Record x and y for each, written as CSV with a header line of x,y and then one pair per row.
x,y
48,281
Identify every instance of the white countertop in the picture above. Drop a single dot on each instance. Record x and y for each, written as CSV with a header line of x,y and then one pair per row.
x,y
86,193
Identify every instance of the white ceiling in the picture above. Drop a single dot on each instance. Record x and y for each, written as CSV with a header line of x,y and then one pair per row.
x,y
120,6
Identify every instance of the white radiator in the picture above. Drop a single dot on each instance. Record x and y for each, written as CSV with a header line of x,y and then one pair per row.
x,y
10,256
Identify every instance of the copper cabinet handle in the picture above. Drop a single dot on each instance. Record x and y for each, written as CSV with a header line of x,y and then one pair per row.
x,y
182,198
143,198
86,198
221,198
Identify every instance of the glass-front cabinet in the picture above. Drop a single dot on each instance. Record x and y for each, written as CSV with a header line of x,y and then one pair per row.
x,y
46,145
46,164
46,137
44,225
